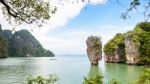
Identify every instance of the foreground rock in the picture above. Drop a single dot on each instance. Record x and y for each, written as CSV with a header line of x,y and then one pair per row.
x,y
94,49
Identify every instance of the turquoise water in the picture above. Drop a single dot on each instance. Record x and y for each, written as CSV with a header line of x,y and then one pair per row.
x,y
69,69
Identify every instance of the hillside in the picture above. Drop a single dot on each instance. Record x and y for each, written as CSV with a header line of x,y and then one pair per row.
x,y
21,44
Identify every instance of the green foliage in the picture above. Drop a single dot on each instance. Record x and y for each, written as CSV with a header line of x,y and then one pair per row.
x,y
3,47
117,41
134,6
94,80
114,81
99,80
41,80
24,44
142,36
144,77
144,25
29,11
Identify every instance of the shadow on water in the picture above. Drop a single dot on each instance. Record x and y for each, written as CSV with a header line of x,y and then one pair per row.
x,y
94,71
93,76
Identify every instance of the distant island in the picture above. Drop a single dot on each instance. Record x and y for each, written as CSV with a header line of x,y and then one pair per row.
x,y
21,44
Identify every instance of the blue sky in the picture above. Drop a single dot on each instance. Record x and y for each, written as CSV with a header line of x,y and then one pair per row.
x,y
100,20
70,27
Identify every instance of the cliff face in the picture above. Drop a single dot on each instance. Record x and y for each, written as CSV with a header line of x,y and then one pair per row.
x,y
115,49
20,44
3,45
132,52
132,47
24,44
94,49
8,34
116,57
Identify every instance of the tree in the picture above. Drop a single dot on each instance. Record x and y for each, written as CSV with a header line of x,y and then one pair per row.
x,y
110,46
52,79
95,80
28,11
37,11
132,5
143,78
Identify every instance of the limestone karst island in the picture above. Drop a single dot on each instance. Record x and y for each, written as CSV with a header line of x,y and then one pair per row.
x,y
74,41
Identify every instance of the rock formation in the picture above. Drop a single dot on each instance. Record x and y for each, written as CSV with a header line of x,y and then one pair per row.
x,y
20,44
132,52
3,45
115,49
8,34
94,49
116,57
25,45
133,46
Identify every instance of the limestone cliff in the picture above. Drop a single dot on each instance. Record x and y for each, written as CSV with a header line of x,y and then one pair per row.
x,y
20,44
115,49
132,52
132,47
23,44
8,34
94,49
3,45
116,57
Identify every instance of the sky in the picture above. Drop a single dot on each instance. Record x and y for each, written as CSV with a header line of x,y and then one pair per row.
x,y
66,32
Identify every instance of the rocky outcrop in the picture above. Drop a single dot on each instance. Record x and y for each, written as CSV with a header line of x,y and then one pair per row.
x,y
94,49
23,44
20,44
3,45
115,49
116,57
8,34
132,52
132,47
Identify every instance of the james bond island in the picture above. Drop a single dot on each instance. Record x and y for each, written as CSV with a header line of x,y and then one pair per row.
x,y
74,41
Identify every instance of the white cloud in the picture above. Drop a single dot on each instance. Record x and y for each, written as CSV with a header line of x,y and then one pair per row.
x,y
73,41
66,42
65,12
